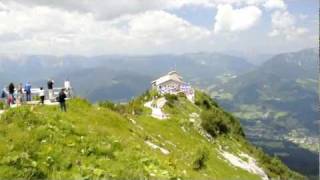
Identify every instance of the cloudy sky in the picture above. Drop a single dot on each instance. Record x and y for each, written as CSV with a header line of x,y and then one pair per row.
x,y
94,27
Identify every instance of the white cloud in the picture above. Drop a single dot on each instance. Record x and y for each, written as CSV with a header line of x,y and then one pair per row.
x,y
275,4
284,24
161,27
93,27
43,29
108,9
112,9
229,19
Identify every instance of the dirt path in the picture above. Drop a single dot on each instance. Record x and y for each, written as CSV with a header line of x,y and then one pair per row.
x,y
156,107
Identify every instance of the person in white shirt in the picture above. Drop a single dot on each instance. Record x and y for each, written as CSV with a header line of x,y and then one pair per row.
x,y
42,95
67,87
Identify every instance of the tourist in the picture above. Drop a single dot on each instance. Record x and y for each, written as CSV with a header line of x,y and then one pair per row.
x,y
50,89
41,95
11,89
27,89
4,93
11,94
62,100
67,87
19,94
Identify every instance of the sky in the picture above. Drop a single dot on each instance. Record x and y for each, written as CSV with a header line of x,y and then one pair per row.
x,y
96,27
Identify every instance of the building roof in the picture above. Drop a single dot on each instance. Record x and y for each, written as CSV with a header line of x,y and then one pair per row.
x,y
171,76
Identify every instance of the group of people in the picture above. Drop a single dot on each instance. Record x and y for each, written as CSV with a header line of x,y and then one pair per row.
x,y
17,95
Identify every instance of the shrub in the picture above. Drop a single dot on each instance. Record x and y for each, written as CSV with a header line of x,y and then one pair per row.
x,y
182,95
2,105
171,99
213,124
135,107
200,159
108,104
205,101
121,108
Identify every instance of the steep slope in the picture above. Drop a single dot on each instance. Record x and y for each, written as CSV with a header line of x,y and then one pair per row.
x,y
116,141
283,91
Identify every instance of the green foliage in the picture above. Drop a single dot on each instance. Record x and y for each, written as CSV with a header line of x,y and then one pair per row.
x,y
181,95
205,101
171,99
213,124
136,107
2,105
124,109
201,157
108,104
214,120
36,98
150,94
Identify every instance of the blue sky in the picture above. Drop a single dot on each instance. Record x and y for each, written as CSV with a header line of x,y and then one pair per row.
x,y
154,27
305,12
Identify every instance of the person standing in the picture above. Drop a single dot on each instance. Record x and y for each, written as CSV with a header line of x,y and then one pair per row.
x,y
67,87
19,94
11,94
62,100
41,95
27,89
4,93
50,89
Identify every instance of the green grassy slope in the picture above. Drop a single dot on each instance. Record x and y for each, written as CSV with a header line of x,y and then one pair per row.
x,y
111,142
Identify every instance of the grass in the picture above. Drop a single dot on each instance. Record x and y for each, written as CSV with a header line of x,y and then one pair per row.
x,y
101,142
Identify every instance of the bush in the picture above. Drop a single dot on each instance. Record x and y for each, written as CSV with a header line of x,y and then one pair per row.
x,y
205,101
182,95
213,124
108,104
171,99
201,158
135,107
2,105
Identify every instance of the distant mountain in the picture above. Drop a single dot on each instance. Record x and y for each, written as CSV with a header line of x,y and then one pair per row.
x,y
278,101
286,83
301,64
103,83
252,57
98,77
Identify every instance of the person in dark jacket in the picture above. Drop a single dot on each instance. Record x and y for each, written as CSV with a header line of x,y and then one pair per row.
x,y
50,89
62,100
11,88
11,94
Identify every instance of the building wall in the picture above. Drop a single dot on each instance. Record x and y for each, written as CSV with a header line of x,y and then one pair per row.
x,y
169,86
